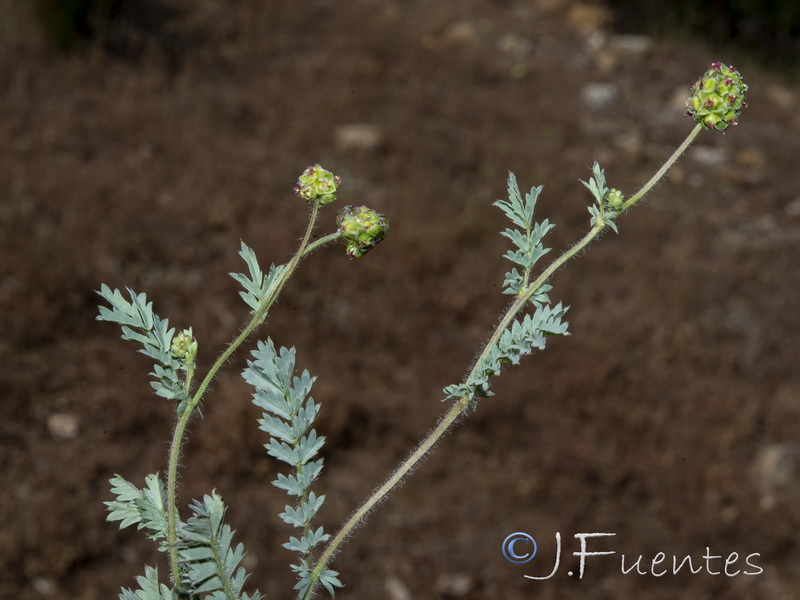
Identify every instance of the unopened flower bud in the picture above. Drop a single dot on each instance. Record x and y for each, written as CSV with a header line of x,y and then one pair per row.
x,y
362,228
615,198
317,184
184,346
717,97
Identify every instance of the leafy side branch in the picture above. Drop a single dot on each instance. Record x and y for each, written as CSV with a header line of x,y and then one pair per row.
x,y
512,338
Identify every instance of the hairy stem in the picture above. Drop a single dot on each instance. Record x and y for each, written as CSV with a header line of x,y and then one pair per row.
x,y
180,427
463,405
664,168
321,242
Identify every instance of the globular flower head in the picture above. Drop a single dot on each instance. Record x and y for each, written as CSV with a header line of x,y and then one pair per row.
x,y
317,184
184,346
717,97
615,198
362,228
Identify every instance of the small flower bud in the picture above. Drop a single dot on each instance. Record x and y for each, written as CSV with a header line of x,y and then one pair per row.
x,y
615,198
717,97
362,228
184,346
317,184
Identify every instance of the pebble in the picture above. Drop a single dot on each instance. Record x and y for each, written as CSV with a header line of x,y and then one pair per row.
x,y
358,136
455,585
514,45
793,208
462,32
630,142
777,474
44,586
63,426
396,589
599,96
709,156
588,18
631,44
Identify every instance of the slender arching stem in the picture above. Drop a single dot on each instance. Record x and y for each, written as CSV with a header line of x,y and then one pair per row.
x,y
180,427
664,168
463,405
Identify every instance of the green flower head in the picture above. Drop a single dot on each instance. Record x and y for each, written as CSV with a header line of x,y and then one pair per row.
x,y
717,97
362,228
317,185
184,346
615,198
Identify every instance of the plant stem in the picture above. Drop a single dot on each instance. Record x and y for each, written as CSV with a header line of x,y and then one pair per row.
x,y
321,242
180,428
463,405
664,168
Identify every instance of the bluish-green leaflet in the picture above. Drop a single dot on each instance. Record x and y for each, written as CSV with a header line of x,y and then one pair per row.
x,y
527,239
149,588
256,284
208,559
143,507
141,325
518,340
597,184
289,413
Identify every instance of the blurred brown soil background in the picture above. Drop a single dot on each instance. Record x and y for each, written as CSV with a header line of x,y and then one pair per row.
x,y
669,416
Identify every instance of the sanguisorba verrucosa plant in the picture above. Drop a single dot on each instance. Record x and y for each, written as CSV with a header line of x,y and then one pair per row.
x,y
203,561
